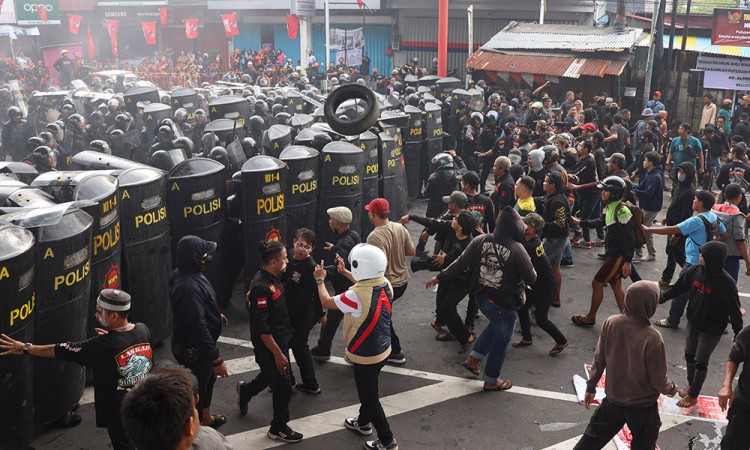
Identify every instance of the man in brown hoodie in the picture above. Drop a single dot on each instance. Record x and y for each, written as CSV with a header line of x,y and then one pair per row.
x,y
633,352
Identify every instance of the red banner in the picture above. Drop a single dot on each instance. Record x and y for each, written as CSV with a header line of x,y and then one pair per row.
x,y
91,43
42,12
292,26
731,27
191,28
361,3
163,16
230,24
74,23
149,32
112,26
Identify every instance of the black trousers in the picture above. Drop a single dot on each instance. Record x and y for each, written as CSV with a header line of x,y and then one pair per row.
x,y
449,295
395,343
118,437
206,379
675,255
298,345
269,376
736,436
608,419
328,331
370,410
541,310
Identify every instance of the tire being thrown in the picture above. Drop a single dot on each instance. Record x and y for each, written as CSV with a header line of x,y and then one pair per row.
x,y
348,92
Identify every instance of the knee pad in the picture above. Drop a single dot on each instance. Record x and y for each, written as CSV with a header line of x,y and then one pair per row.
x,y
703,367
690,358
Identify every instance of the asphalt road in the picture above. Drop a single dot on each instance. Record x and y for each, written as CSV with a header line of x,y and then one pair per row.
x,y
431,401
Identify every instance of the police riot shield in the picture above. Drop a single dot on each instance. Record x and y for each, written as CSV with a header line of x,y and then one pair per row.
x,y
140,94
18,170
433,128
147,253
152,115
368,142
318,115
460,100
63,266
411,81
412,139
229,107
197,205
166,160
223,129
294,103
302,203
276,139
340,185
22,196
91,160
393,178
477,100
299,122
17,309
105,250
429,81
186,98
264,188
124,145
445,86
236,155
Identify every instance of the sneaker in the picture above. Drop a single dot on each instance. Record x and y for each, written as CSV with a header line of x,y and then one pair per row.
x,y
396,358
353,424
649,258
601,255
599,243
377,445
243,397
320,355
566,264
284,434
308,388
582,244
637,259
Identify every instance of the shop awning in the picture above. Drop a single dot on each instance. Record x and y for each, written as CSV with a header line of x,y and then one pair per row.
x,y
700,44
562,66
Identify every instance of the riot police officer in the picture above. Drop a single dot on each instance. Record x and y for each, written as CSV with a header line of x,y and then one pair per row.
x,y
15,134
44,159
180,118
97,128
122,123
77,137
201,119
472,143
100,146
113,109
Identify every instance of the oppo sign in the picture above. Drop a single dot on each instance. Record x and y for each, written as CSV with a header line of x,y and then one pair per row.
x,y
31,7
27,13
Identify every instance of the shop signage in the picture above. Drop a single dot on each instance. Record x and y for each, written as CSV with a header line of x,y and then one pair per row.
x,y
131,2
724,73
283,4
27,12
731,27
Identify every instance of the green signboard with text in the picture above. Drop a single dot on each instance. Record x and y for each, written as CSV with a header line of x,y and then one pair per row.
x,y
28,12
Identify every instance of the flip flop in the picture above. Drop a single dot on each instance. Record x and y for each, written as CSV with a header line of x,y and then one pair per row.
x,y
558,348
664,323
218,421
577,320
473,371
437,327
522,343
504,386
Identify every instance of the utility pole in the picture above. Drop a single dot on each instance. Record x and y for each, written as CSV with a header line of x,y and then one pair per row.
x,y
681,61
328,39
651,51
470,18
671,59
443,38
542,9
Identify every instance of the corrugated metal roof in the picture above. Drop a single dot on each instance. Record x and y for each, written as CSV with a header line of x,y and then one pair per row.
x,y
532,36
700,44
568,66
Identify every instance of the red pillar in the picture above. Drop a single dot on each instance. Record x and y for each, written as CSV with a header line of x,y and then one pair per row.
x,y
443,38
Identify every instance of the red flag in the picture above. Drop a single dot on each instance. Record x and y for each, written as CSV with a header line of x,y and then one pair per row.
x,y
112,26
149,32
292,26
361,3
191,28
42,12
230,24
75,23
91,43
163,16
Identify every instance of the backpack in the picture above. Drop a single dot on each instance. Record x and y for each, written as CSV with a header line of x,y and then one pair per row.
x,y
738,178
712,229
637,221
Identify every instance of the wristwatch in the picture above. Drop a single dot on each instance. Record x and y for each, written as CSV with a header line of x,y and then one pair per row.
x,y
319,280
26,348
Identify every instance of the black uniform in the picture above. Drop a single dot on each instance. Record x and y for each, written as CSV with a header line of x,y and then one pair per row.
x,y
471,143
14,137
119,360
197,320
269,315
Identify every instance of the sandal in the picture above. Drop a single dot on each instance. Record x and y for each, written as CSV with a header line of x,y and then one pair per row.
x,y
558,348
474,371
522,343
436,326
445,337
218,420
578,320
503,386
664,323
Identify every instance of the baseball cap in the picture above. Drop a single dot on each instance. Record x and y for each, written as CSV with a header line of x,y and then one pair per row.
x,y
537,105
340,213
62,52
657,93
378,206
589,127
617,158
647,112
114,300
503,161
535,221
458,198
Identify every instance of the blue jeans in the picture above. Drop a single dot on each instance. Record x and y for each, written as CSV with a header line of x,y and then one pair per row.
x,y
732,266
494,341
590,209
678,303
568,252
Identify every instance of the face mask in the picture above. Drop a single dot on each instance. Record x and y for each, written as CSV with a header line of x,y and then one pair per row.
x,y
681,177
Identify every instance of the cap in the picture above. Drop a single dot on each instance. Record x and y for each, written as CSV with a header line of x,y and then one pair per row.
x,y
457,197
647,112
657,93
617,158
114,300
535,221
614,105
471,178
63,51
726,101
378,206
590,127
537,105
503,161
746,98
340,213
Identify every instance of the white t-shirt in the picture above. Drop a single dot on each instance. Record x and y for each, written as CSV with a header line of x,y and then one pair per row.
x,y
349,303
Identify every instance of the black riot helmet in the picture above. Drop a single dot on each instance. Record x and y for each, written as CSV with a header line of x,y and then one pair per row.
x,y
180,115
34,142
398,86
249,146
67,110
200,116
100,146
261,107
283,118
15,111
413,100
76,122
165,131
256,125
320,140
122,122
219,154
97,118
48,138
186,144
56,130
44,156
102,108
277,108
410,90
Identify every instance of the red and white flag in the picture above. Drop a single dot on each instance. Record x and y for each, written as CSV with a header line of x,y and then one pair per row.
x,y
91,43
230,24
112,27
361,3
292,26
191,28
149,32
75,23
42,12
163,16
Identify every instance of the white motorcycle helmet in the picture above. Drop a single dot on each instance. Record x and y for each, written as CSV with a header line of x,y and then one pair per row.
x,y
367,262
